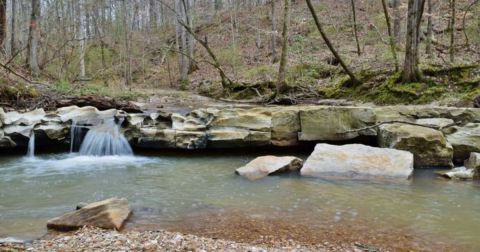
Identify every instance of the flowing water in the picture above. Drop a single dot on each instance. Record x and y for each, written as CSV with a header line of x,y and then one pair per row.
x,y
171,187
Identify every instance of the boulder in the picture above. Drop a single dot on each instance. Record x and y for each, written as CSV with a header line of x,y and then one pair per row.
x,y
461,173
464,140
108,214
332,123
356,161
429,146
266,165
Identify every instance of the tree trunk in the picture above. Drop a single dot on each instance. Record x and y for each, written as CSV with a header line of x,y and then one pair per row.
x,y
3,21
352,76
181,42
274,30
355,32
428,49
152,15
390,35
396,20
13,43
33,38
411,72
452,31
81,38
281,84
127,59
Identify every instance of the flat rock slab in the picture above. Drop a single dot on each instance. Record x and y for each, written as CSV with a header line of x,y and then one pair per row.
x,y
356,161
108,214
266,165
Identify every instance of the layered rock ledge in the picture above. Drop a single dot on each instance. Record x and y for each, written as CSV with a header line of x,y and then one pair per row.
x,y
212,128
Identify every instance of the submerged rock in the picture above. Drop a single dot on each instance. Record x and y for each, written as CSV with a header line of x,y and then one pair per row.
x,y
429,146
266,165
465,140
108,214
461,173
358,161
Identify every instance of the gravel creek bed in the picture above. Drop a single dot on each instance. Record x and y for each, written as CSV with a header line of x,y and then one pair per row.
x,y
92,239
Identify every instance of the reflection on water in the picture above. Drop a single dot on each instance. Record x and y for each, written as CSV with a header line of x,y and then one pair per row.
x,y
168,188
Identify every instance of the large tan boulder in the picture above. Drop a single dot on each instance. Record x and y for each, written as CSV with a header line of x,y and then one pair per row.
x,y
464,140
429,146
335,123
356,161
266,165
108,214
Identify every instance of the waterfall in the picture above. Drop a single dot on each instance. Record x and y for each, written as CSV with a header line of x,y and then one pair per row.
x,y
31,145
75,134
104,140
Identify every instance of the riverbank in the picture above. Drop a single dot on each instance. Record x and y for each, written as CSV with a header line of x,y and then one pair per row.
x,y
92,239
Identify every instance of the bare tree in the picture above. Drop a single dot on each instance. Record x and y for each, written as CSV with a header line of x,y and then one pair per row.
x,y
390,35
3,21
281,84
33,38
428,48
355,32
13,43
347,70
452,30
396,20
411,71
273,17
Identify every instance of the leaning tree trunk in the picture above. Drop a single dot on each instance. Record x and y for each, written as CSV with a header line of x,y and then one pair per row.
x,y
411,71
33,39
347,70
281,84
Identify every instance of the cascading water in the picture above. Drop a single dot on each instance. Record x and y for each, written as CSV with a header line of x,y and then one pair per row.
x,y
31,145
105,140
75,136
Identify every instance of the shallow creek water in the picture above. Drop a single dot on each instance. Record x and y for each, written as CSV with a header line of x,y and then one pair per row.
x,y
168,188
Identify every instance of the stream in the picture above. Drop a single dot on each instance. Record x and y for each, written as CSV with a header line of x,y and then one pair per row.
x,y
169,187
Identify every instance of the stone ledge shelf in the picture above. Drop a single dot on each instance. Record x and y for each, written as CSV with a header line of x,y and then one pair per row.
x,y
213,128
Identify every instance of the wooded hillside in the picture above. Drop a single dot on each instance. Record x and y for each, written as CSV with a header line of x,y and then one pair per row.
x,y
285,51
